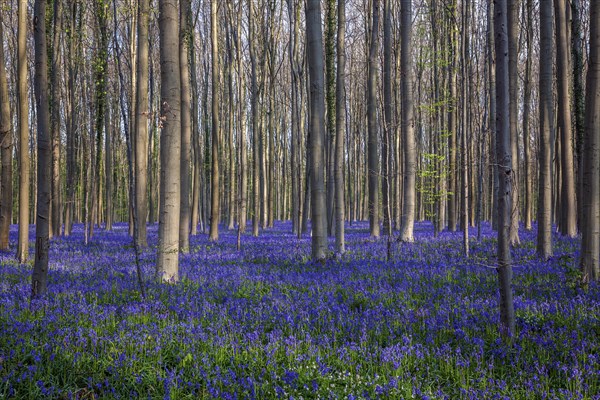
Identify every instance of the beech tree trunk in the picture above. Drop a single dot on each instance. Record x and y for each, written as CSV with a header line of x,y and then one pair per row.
x,y
23,246
170,142
330,100
387,116
373,140
590,243
340,122
526,116
141,123
39,277
568,213
513,57
6,143
186,127
408,132
314,51
505,171
55,104
215,205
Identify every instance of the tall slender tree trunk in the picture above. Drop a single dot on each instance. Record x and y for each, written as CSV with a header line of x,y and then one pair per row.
x,y
293,10
387,116
578,100
340,122
568,213
141,122
513,57
101,89
170,142
55,119
215,206
73,55
492,84
186,126
39,277
526,116
373,140
590,243
108,167
314,51
408,133
197,151
330,99
505,171
23,246
452,112
464,189
231,200
6,143
255,122
243,171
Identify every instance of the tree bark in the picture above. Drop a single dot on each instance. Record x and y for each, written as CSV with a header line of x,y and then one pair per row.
x,y
170,142
513,57
330,98
23,246
590,243
243,171
408,133
39,277
526,116
340,125
186,126
568,214
578,99
55,104
373,139
108,168
215,206
387,116
6,143
314,43
141,122
505,171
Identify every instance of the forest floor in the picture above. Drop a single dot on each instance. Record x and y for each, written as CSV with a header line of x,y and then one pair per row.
x,y
265,322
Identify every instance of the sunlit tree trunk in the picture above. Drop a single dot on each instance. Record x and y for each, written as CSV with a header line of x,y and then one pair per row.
x,y
513,57
340,121
387,116
23,246
314,51
170,142
526,117
39,277
215,206
408,132
373,139
141,122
